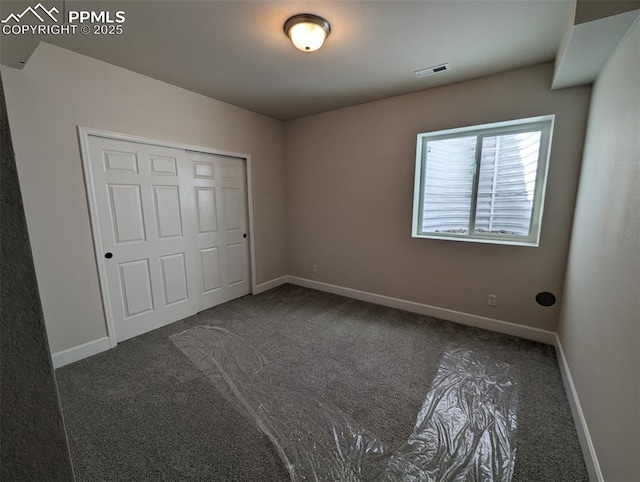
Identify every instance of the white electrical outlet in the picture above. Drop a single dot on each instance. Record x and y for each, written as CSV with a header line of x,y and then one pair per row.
x,y
314,268
492,300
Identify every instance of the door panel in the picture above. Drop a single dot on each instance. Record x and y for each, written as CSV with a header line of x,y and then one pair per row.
x,y
231,208
231,173
220,189
142,192
135,282
202,170
167,208
234,263
174,278
120,161
126,213
207,211
172,230
210,258
164,166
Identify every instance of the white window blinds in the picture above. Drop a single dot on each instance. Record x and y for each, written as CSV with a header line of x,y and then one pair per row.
x,y
483,183
508,167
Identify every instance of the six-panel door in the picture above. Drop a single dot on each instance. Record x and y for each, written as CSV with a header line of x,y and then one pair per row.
x,y
172,240
219,191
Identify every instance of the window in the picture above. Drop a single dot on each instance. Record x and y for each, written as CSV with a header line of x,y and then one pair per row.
x,y
484,183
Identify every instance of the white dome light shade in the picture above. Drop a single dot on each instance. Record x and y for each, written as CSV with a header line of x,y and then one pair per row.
x,y
307,32
307,36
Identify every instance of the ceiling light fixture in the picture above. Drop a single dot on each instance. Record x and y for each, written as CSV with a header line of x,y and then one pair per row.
x,y
307,31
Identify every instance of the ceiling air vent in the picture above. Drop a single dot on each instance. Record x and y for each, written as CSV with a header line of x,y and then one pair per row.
x,y
432,70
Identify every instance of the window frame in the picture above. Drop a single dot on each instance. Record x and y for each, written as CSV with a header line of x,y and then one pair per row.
x,y
544,124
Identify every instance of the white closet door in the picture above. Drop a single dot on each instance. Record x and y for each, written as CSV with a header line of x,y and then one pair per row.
x,y
219,185
144,201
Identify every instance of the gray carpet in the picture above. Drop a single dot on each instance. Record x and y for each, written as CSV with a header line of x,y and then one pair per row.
x,y
143,411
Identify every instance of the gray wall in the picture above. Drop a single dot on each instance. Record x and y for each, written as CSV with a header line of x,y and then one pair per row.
x,y
350,177
599,325
590,10
34,444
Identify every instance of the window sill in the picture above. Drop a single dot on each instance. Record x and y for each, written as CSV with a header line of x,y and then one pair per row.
x,y
479,239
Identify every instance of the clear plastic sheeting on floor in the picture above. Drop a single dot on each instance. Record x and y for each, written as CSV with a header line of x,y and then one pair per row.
x,y
464,431
316,440
467,426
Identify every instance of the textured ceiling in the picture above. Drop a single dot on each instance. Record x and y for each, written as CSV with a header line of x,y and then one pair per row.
x,y
236,51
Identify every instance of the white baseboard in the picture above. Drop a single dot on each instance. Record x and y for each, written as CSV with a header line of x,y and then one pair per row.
x,y
588,451
76,353
527,332
85,350
79,352
267,285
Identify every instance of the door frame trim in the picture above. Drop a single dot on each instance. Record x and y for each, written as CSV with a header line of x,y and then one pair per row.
x,y
83,135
